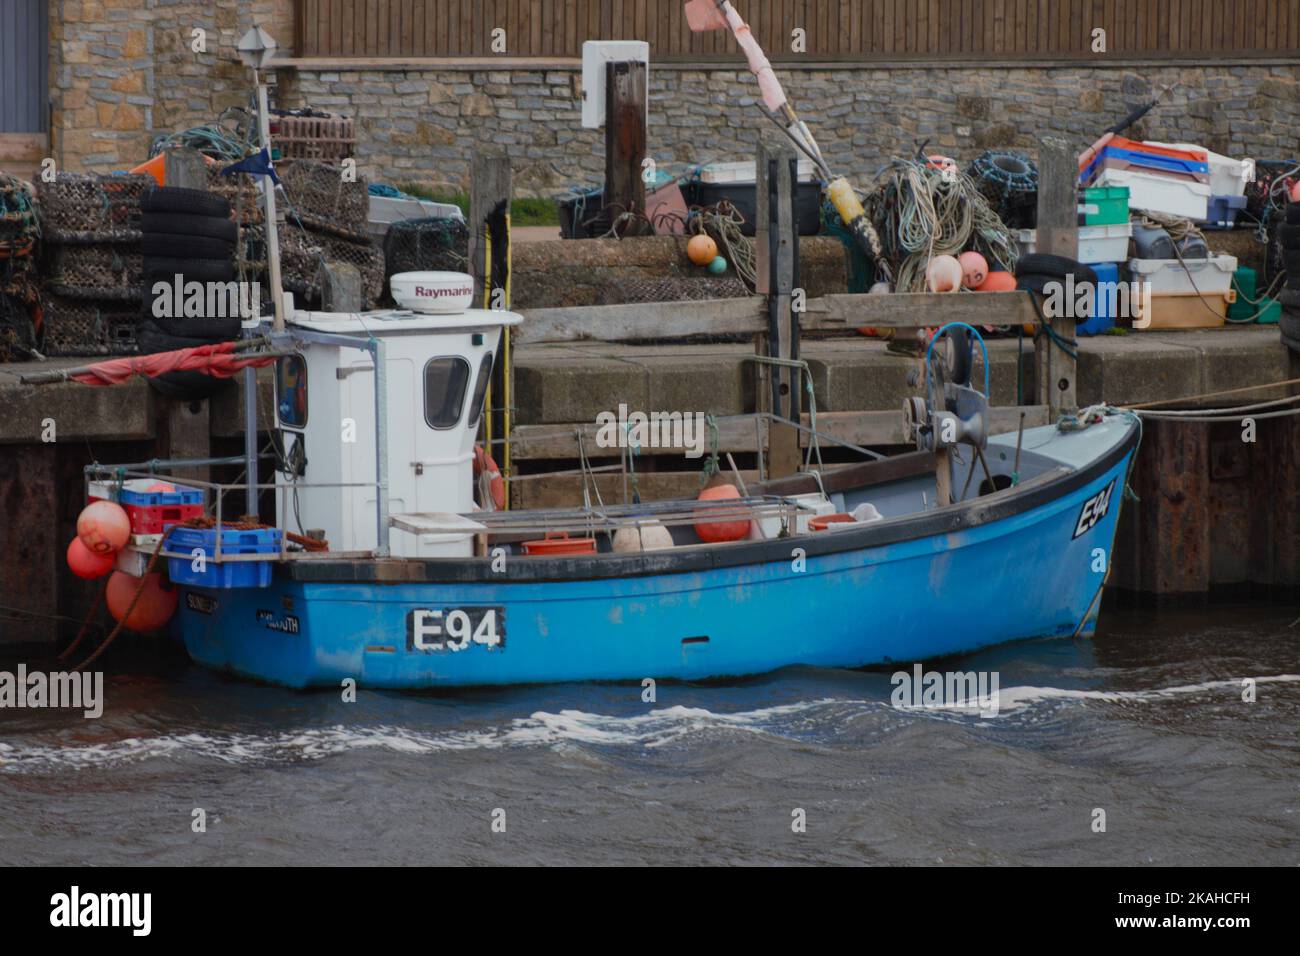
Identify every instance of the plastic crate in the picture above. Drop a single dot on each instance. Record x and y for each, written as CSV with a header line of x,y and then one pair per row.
x,y
743,172
1096,243
223,574
1184,311
1111,158
155,519
1223,212
1158,192
1212,276
1228,176
1105,206
1103,316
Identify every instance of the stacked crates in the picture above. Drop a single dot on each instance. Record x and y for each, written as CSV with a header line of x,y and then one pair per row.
x,y
215,570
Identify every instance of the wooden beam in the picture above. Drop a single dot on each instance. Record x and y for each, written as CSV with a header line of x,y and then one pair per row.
x,y
776,266
489,254
643,321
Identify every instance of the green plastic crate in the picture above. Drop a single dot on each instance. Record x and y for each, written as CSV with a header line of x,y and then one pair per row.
x,y
1243,280
1110,203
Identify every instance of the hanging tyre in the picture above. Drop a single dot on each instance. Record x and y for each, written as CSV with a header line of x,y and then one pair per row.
x,y
191,202
180,224
187,386
192,270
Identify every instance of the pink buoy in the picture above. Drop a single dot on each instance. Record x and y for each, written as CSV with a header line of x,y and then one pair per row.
x,y
87,564
943,274
103,526
1295,191
974,269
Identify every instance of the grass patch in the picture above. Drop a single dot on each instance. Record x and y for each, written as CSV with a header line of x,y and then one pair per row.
x,y
523,212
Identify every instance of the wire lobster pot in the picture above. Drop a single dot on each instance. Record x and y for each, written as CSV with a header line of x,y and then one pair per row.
x,y
97,270
241,191
89,207
302,254
85,327
426,245
323,200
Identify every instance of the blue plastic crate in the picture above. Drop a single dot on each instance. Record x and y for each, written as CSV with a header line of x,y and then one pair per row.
x,y
1102,318
1166,164
224,574
181,496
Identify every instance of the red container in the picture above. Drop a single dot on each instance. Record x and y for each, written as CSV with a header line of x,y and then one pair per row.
x,y
822,522
155,519
559,543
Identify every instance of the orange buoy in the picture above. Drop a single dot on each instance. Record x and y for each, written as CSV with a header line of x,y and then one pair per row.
x,y
997,282
716,532
103,526
701,250
87,564
155,607
483,463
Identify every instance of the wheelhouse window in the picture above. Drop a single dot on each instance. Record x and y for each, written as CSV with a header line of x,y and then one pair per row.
x,y
444,391
480,390
291,390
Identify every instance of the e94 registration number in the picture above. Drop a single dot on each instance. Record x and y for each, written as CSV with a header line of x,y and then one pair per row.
x,y
455,628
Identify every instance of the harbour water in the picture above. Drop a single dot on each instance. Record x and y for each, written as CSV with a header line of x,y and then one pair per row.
x,y
1146,722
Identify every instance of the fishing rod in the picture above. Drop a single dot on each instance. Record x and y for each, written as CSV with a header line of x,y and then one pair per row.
x,y
705,15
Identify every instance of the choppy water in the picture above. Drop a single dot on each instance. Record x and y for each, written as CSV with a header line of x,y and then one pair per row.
x,y
1145,721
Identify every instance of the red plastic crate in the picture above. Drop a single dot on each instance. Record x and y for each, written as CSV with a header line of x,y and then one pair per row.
x,y
155,519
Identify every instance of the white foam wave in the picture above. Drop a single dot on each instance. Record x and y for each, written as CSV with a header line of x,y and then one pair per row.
x,y
656,728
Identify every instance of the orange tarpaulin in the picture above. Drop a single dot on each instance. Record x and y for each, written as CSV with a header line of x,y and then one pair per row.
x,y
219,361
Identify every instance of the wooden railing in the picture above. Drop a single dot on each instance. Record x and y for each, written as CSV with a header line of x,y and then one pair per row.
x,y
832,29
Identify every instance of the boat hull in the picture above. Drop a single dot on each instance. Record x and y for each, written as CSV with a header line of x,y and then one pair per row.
x,y
1035,572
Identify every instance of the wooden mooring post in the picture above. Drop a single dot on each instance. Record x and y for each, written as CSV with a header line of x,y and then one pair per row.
x,y
1058,234
625,144
776,241
489,256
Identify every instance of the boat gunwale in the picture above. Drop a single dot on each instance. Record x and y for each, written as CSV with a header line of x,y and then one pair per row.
x,y
689,559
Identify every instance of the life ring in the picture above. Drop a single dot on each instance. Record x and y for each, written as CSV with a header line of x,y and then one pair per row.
x,y
483,463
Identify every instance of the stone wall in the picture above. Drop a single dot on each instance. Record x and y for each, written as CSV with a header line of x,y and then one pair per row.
x,y
123,71
422,125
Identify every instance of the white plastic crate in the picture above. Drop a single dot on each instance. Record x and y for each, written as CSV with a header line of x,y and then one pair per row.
x,y
1186,276
1096,243
743,172
1228,176
1157,192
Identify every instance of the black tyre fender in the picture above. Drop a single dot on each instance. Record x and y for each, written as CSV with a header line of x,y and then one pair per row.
x,y
173,245
187,386
1293,213
1057,267
191,202
1290,299
180,224
1288,236
191,270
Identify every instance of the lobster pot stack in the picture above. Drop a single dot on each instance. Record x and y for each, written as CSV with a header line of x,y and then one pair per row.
x,y
20,312
1288,234
326,221
91,241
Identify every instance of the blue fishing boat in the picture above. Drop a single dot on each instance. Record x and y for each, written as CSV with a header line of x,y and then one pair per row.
x,y
966,542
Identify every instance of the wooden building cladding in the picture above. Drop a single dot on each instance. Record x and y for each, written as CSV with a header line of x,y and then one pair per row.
x,y
849,30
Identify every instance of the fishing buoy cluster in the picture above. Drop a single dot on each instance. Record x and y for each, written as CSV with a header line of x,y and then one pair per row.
x,y
103,529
